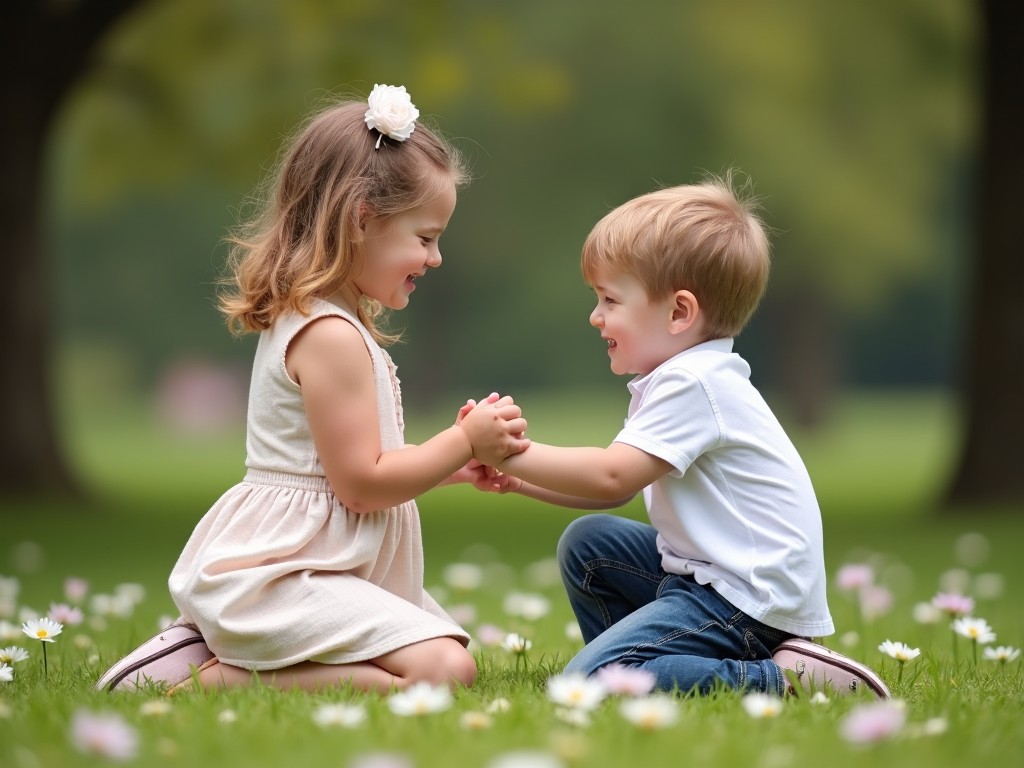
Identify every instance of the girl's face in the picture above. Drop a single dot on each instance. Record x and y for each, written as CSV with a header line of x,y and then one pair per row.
x,y
399,249
637,330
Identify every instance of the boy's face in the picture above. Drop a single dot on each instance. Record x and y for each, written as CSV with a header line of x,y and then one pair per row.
x,y
638,330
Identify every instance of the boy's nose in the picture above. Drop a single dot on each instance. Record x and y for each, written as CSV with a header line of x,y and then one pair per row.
x,y
595,318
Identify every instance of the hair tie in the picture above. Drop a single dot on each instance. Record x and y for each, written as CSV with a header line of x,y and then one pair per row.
x,y
391,113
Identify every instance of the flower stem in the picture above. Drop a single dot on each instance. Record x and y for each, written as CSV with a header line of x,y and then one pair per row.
x,y
46,671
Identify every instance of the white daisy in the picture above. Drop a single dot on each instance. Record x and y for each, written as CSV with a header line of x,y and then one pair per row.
x,y
526,605
155,708
580,718
499,706
476,721
977,630
899,651
1002,654
42,629
345,715
575,691
13,654
420,699
514,643
463,576
650,713
525,759
762,705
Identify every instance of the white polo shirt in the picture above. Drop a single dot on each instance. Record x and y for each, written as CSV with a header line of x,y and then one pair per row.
x,y
738,511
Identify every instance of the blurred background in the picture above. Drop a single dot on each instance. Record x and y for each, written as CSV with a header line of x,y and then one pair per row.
x,y
858,124
855,124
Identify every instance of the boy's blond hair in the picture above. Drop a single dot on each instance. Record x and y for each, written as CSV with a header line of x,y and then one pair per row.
x,y
705,238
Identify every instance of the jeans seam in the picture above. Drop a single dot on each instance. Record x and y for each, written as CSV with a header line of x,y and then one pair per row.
x,y
591,566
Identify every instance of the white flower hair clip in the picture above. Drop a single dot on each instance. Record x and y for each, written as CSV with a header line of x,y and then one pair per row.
x,y
391,113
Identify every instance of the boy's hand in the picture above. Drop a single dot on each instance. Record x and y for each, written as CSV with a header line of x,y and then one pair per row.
x,y
495,428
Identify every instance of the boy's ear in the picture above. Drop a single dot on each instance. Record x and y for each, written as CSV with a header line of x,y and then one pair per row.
x,y
685,310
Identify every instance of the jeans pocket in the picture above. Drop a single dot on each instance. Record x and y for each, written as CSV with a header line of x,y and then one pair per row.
x,y
759,640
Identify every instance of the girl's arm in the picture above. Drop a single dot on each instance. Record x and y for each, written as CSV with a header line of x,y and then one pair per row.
x,y
331,364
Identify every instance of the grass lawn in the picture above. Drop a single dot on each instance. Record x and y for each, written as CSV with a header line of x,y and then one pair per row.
x,y
879,468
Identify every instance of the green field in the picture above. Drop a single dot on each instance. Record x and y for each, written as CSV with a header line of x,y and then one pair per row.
x,y
879,466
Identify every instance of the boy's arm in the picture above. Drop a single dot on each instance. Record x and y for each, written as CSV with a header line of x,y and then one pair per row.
x,y
611,474
564,500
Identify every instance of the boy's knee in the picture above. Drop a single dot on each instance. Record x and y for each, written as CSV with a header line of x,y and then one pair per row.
x,y
578,535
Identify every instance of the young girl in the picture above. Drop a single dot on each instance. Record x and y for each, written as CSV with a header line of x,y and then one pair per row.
x,y
309,573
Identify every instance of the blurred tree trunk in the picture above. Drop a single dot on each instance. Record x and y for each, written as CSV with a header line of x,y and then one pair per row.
x,y
993,364
808,357
48,46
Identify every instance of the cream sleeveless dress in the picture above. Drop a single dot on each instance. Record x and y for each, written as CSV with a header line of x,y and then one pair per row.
x,y
279,571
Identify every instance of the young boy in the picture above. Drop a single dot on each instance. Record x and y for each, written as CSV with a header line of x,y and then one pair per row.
x,y
728,581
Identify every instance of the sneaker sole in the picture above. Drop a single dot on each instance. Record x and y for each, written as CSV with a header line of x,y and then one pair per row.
x,y
828,656
167,657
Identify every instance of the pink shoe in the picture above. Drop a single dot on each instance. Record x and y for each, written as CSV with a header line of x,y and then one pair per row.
x,y
818,667
167,658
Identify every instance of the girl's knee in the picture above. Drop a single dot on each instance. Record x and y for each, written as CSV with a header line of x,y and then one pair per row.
x,y
443,660
455,666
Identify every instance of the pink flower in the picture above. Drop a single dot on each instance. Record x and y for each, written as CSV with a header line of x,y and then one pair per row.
x,y
875,601
854,577
462,614
631,681
65,614
870,723
107,735
490,635
75,589
953,604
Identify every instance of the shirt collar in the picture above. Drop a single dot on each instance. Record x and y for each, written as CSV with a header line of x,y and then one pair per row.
x,y
639,383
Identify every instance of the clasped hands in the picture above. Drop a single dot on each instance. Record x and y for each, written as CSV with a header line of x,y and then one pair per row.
x,y
496,430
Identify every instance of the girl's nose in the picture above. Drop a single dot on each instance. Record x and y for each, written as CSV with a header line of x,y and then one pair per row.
x,y
434,259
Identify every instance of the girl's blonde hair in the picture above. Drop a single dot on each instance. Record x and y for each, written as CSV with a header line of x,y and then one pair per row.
x,y
704,238
306,241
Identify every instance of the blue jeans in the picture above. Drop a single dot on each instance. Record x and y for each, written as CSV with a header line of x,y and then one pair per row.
x,y
635,614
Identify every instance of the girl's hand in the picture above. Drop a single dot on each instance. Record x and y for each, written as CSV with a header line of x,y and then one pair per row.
x,y
496,429
485,479
496,481
471,404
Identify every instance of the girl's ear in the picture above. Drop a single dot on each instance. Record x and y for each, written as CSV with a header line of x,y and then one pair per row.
x,y
365,211
685,310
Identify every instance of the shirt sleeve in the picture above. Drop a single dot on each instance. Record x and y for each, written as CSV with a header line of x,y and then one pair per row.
x,y
676,419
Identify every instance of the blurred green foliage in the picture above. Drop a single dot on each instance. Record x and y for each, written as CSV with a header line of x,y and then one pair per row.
x,y
855,121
